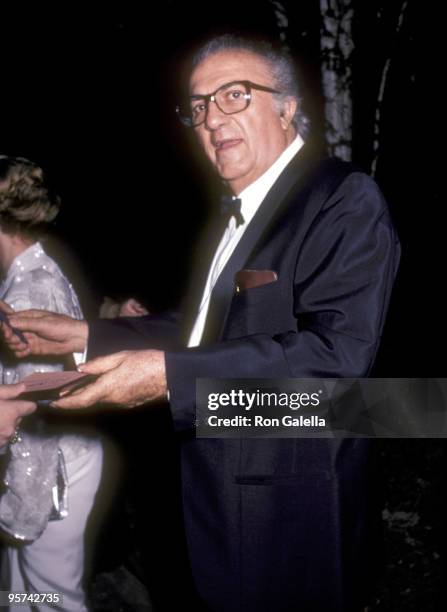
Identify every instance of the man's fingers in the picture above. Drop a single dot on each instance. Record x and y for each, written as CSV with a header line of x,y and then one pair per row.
x,y
36,322
20,353
100,365
32,313
15,344
6,331
132,308
83,398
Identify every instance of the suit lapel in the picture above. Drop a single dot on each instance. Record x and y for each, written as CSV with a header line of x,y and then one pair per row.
x,y
294,176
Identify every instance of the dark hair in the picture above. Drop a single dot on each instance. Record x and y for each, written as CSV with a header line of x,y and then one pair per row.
x,y
282,66
27,204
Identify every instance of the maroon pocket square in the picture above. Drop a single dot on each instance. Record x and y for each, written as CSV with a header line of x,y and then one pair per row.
x,y
247,279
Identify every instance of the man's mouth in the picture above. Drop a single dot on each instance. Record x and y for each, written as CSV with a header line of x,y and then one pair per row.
x,y
227,143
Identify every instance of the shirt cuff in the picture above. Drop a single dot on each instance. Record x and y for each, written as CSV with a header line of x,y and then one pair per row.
x,y
80,357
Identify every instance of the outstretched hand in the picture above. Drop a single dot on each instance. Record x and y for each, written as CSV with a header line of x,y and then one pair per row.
x,y
46,333
126,379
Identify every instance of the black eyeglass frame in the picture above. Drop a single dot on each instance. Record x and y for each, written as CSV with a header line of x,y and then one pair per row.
x,y
207,98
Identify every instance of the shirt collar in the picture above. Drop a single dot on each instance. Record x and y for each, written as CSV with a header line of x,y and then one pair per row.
x,y
252,196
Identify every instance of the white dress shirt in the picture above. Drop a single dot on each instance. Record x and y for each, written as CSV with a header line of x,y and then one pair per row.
x,y
251,198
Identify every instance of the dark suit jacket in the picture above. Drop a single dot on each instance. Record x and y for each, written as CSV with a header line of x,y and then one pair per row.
x,y
280,524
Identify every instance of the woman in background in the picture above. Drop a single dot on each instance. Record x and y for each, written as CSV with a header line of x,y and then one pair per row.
x,y
51,477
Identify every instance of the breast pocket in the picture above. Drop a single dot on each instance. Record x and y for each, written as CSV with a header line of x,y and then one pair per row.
x,y
261,309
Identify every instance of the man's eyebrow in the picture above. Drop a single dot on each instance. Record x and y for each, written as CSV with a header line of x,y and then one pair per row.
x,y
198,96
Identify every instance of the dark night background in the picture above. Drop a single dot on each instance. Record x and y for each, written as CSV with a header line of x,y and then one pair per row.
x,y
88,93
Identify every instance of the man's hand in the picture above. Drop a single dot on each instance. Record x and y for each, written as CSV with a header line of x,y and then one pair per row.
x,y
47,333
12,410
127,379
132,308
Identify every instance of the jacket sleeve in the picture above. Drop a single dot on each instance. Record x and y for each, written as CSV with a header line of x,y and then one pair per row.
x,y
134,333
342,282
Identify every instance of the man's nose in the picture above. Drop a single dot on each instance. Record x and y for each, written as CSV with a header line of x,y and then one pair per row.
x,y
214,116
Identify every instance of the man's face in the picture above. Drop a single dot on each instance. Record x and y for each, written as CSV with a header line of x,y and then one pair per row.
x,y
244,145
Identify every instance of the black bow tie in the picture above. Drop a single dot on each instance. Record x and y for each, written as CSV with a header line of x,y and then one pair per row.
x,y
231,207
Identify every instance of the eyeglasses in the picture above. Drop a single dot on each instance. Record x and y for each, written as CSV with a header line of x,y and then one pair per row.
x,y
230,98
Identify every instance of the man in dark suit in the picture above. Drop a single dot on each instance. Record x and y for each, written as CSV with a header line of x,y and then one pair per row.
x,y
296,285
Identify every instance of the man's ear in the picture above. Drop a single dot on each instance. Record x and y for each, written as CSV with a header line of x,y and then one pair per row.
x,y
288,110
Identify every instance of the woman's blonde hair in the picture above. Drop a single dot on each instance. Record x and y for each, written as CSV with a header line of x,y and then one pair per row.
x,y
27,204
